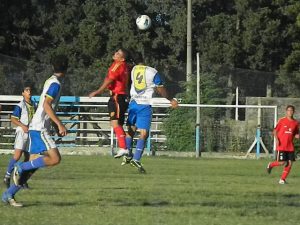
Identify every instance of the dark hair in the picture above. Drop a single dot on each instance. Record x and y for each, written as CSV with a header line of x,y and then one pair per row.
x,y
60,63
26,85
125,54
138,58
290,106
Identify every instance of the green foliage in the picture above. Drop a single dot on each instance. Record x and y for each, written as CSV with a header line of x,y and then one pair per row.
x,y
181,123
257,35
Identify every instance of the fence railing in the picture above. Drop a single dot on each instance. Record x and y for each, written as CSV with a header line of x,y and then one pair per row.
x,y
88,124
86,119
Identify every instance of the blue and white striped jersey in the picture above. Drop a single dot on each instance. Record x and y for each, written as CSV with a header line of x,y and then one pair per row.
x,y
52,88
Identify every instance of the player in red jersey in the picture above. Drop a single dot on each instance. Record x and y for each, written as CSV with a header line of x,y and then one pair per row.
x,y
285,131
116,81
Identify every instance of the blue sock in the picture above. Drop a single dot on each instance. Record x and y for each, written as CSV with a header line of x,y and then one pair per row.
x,y
34,164
140,145
10,166
129,144
13,189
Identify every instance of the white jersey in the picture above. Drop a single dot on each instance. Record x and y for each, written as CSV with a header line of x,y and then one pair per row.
x,y
41,120
144,80
24,112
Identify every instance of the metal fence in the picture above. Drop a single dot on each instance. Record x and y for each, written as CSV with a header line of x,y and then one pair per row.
x,y
88,125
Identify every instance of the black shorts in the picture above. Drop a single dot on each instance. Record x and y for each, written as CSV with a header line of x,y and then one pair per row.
x,y
285,156
117,106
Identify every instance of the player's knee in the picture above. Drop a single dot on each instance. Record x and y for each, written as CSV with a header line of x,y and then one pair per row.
x,y
55,160
143,136
288,163
17,155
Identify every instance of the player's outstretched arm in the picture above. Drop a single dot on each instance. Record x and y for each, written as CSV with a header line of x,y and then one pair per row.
x,y
50,112
163,93
101,88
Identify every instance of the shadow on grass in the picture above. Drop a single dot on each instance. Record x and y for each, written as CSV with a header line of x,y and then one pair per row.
x,y
59,204
157,203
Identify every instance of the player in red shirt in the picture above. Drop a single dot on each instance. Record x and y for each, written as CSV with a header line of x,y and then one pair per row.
x,y
285,131
116,81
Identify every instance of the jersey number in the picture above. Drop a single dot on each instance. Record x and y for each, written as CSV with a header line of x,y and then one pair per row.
x,y
139,79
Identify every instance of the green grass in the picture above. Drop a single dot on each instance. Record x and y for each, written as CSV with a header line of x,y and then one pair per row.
x,y
89,190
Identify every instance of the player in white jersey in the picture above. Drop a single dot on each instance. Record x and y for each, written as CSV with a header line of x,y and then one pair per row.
x,y
21,117
43,151
145,80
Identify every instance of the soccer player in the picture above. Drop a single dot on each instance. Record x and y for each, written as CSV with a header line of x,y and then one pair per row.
x,y
144,81
116,81
286,129
21,117
42,149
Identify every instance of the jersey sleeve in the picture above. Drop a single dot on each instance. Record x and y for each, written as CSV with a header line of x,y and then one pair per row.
x,y
278,126
53,90
17,112
157,80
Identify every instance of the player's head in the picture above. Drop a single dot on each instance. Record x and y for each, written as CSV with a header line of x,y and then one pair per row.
x,y
60,63
121,55
138,59
290,109
26,91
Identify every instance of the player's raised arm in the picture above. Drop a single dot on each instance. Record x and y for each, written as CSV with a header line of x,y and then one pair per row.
x,y
102,88
163,93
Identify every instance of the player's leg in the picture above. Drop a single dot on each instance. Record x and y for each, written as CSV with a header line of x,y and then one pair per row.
x,y
143,123
290,157
40,142
9,195
10,167
129,142
278,162
19,146
117,108
286,171
130,123
129,138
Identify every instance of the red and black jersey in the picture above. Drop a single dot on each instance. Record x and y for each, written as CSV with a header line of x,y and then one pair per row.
x,y
119,73
286,131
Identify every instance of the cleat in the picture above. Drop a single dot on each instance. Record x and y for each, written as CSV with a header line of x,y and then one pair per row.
x,y
17,173
269,168
6,180
126,160
138,165
121,152
282,181
8,199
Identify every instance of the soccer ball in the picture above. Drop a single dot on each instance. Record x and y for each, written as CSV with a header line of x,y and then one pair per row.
x,y
143,22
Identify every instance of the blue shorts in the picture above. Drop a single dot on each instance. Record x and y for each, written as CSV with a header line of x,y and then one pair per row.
x,y
40,141
139,115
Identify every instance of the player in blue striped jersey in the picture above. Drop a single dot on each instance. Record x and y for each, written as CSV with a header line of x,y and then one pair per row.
x,y
21,117
144,81
42,149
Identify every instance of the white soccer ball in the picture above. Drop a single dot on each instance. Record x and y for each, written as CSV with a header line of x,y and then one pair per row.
x,y
143,22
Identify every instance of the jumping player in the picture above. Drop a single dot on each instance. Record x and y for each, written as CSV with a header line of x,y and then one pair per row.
x,y
42,149
144,81
116,81
286,129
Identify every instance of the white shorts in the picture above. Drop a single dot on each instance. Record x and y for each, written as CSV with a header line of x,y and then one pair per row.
x,y
21,140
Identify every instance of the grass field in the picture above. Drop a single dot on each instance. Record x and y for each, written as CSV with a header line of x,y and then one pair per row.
x,y
90,190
